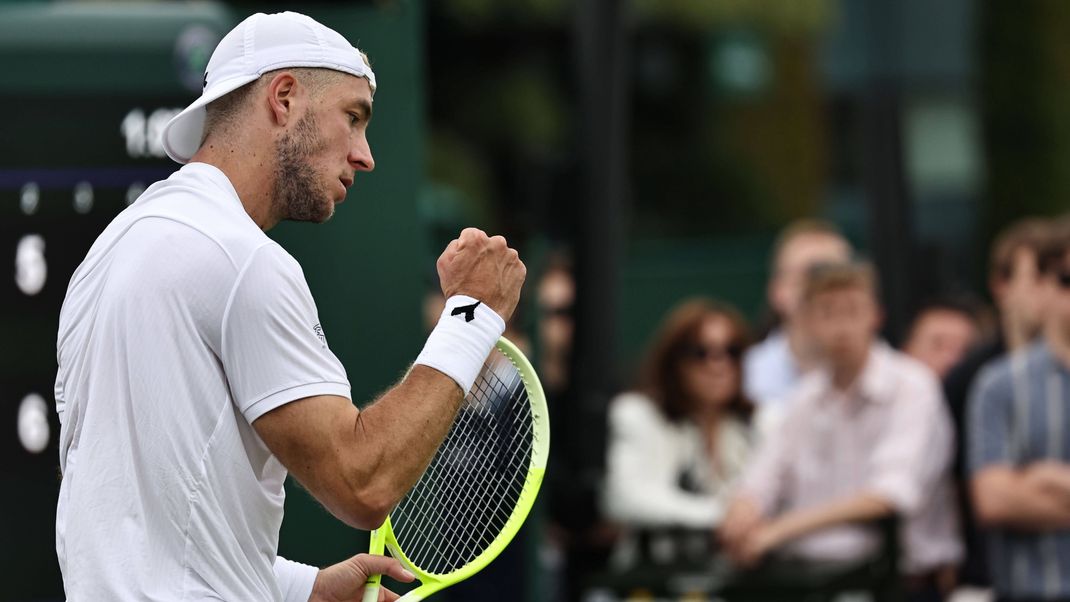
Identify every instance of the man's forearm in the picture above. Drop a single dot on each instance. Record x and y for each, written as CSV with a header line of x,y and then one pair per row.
x,y
858,508
404,427
1052,476
1014,498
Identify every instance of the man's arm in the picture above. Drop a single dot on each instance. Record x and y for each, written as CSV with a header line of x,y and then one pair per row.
x,y
791,525
741,518
1029,498
1032,497
360,464
1053,475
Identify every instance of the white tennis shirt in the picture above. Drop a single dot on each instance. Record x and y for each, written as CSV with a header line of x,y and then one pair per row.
x,y
183,325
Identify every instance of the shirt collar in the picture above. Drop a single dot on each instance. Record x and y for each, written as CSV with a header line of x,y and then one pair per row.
x,y
872,385
213,174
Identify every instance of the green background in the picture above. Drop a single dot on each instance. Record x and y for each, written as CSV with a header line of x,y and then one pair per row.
x,y
72,71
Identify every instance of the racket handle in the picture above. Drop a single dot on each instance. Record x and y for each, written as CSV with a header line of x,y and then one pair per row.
x,y
371,586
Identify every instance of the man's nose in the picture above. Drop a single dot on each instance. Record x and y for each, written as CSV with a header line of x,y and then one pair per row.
x,y
360,155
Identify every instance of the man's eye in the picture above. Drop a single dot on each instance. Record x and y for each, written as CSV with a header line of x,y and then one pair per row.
x,y
353,118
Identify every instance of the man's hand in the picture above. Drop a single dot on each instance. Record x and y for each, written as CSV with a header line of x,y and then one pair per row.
x,y
757,543
743,516
344,582
1051,476
483,268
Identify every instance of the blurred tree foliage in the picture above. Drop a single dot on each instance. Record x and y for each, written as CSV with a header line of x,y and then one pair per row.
x,y
727,131
787,17
708,158
1025,95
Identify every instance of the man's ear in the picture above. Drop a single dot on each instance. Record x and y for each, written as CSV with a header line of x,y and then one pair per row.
x,y
281,91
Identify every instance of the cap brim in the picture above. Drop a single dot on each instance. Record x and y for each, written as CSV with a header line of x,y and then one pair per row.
x,y
182,135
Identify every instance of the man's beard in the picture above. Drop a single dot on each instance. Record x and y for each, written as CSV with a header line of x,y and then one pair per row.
x,y
297,195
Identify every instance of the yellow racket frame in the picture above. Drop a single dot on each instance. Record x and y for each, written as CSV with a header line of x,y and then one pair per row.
x,y
433,582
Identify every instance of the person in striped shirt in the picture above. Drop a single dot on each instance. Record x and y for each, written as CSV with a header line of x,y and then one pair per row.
x,y
1018,417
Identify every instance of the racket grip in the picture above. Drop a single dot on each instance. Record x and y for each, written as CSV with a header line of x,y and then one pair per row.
x,y
371,586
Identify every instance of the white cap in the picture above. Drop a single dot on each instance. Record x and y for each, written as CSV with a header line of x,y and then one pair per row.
x,y
259,44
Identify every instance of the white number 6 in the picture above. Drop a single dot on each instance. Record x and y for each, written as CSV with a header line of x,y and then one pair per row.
x,y
31,270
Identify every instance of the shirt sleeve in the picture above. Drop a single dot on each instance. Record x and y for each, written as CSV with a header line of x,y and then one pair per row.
x,y
274,350
768,473
295,580
915,452
989,420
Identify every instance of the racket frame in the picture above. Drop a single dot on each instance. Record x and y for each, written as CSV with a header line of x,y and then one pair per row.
x,y
540,450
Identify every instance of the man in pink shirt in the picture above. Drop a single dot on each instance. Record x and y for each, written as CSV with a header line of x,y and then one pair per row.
x,y
866,436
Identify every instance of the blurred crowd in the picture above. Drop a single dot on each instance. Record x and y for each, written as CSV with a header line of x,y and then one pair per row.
x,y
794,447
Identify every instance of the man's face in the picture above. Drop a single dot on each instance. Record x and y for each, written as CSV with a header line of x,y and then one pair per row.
x,y
1058,307
317,157
842,323
556,295
1023,292
796,258
940,338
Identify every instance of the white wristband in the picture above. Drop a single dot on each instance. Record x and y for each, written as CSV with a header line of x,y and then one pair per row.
x,y
466,332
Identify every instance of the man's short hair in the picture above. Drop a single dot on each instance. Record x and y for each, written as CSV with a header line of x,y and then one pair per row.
x,y
828,277
224,111
1052,257
1032,233
962,304
801,228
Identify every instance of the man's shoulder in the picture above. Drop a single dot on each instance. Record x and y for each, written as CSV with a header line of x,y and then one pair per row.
x,y
769,370
772,349
204,206
207,208
905,368
996,378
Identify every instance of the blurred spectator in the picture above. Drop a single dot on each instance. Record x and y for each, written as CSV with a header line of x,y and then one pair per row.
x,y
678,442
555,297
865,436
772,367
1019,457
576,541
1019,295
940,335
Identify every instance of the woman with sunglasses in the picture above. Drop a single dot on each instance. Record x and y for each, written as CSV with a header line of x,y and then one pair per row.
x,y
679,440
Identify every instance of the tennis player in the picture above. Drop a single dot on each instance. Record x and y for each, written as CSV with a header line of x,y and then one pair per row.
x,y
193,370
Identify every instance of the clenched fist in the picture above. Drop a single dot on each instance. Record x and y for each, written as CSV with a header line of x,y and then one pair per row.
x,y
482,267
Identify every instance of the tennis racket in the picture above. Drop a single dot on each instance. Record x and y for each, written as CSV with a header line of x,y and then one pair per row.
x,y
480,485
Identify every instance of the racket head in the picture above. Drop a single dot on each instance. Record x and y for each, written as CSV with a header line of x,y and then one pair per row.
x,y
398,528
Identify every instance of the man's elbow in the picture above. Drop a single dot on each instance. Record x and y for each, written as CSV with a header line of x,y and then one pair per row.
x,y
368,498
363,508
373,500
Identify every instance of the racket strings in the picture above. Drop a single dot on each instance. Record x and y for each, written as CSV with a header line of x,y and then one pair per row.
x,y
466,496
466,504
448,536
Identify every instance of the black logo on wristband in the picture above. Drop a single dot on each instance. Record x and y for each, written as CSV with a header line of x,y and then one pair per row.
x,y
469,311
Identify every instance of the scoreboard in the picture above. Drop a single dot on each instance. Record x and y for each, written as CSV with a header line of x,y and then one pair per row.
x,y
87,89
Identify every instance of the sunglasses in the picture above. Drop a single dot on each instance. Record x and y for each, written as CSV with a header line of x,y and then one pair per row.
x,y
1062,278
556,311
703,353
